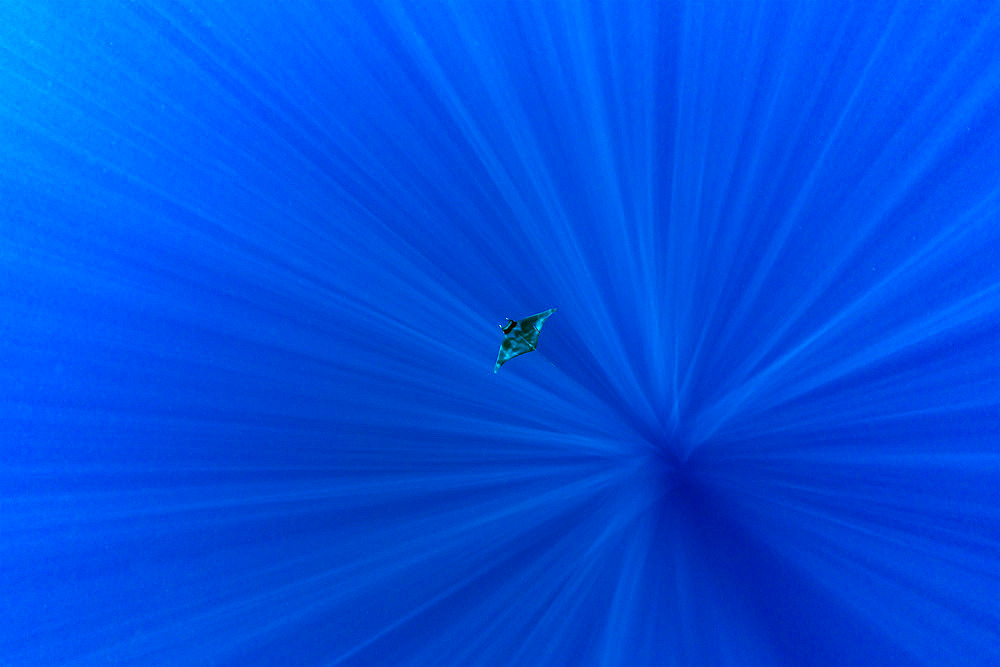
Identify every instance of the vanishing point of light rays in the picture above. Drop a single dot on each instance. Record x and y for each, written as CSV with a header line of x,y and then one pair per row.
x,y
252,318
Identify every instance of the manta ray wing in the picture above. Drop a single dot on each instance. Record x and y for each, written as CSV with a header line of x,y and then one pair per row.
x,y
522,337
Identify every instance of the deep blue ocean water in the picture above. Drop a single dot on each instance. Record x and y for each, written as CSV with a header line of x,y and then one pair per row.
x,y
253,257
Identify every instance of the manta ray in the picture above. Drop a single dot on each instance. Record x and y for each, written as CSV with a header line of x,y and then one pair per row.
x,y
520,336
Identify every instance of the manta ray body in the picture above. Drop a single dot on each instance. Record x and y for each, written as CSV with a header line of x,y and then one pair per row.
x,y
521,336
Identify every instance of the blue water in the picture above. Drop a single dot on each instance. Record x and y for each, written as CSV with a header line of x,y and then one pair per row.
x,y
252,262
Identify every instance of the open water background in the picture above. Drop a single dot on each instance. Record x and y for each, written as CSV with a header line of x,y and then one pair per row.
x,y
252,261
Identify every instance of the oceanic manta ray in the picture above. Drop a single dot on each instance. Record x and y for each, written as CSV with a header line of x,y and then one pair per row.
x,y
520,336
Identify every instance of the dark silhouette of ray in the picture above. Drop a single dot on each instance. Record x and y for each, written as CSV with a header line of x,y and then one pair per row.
x,y
521,337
